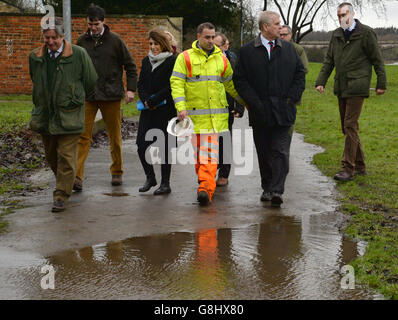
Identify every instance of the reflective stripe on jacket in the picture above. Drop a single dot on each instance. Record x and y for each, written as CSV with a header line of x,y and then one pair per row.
x,y
198,85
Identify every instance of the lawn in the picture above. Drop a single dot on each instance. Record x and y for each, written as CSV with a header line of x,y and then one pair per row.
x,y
372,200
15,111
14,114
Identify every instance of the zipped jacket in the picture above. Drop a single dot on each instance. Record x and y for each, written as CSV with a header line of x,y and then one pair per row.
x,y
110,56
198,85
60,109
353,61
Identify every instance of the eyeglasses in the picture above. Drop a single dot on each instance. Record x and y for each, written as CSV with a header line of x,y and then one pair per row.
x,y
284,34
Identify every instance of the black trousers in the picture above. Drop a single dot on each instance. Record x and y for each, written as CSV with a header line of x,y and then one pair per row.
x,y
165,169
143,145
225,156
273,150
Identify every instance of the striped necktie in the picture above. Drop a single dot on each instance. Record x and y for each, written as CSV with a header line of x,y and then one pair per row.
x,y
271,45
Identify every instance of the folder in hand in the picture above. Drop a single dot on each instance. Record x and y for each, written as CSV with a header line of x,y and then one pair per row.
x,y
141,105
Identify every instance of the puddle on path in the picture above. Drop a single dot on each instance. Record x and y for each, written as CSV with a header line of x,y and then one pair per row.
x,y
256,252
116,194
281,258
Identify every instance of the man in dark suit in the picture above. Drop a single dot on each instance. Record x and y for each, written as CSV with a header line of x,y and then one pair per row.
x,y
270,78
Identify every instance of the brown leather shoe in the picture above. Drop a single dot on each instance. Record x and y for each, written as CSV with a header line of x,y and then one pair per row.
x,y
343,176
78,185
221,182
117,180
58,205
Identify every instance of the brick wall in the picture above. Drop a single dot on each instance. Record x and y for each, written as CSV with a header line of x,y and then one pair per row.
x,y
20,34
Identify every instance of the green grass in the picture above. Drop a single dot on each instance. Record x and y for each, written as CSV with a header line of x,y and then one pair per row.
x,y
7,207
16,97
14,114
15,111
372,200
130,110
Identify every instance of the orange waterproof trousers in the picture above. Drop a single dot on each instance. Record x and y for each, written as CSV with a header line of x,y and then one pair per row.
x,y
206,155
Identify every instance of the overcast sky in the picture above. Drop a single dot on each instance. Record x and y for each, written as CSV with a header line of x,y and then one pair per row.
x,y
367,16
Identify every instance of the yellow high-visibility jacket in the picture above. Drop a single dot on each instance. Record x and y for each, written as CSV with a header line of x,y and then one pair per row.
x,y
198,85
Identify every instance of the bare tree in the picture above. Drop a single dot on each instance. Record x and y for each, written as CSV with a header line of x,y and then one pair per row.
x,y
249,26
300,15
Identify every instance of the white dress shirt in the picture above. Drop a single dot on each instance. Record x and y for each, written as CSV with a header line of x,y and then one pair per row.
x,y
266,44
59,51
353,26
101,33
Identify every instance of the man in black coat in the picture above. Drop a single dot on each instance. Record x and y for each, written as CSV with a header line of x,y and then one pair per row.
x,y
270,78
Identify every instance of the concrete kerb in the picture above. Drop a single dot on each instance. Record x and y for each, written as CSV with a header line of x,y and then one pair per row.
x,y
99,123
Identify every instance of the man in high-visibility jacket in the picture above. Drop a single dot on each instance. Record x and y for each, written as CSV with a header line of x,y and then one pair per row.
x,y
198,83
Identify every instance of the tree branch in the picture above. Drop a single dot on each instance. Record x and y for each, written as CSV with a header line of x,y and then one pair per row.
x,y
294,22
280,11
301,36
311,22
288,12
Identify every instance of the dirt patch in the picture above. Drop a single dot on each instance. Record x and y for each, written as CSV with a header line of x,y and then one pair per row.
x,y
21,149
129,131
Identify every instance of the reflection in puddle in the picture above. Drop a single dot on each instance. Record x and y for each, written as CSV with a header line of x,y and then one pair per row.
x,y
281,258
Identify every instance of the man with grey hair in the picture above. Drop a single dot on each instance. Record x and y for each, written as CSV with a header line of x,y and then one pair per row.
x,y
62,75
270,78
353,50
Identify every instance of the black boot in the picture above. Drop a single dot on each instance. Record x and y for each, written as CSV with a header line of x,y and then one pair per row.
x,y
203,198
165,183
163,189
149,183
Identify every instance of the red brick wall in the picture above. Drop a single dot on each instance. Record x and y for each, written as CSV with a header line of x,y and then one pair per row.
x,y
20,34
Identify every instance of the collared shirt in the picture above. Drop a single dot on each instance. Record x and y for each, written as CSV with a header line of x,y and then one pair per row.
x,y
58,52
266,44
208,53
353,26
102,32
349,31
